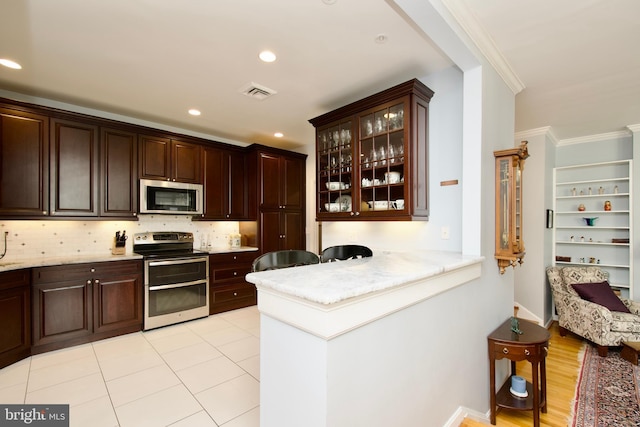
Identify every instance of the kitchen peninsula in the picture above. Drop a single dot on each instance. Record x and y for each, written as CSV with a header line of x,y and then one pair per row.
x,y
343,343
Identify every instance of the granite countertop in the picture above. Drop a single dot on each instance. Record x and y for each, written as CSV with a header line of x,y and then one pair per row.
x,y
17,264
330,283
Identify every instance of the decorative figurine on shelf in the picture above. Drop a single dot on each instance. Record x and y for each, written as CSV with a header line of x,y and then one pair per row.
x,y
582,238
515,326
581,193
573,191
581,207
592,260
590,191
571,239
600,190
615,190
607,205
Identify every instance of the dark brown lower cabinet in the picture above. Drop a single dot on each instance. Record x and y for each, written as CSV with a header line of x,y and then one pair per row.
x,y
228,289
15,316
79,303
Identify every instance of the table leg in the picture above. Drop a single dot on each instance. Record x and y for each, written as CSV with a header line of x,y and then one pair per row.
x,y
536,394
543,380
492,386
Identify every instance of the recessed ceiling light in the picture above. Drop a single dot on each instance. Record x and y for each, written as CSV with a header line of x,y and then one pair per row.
x,y
267,56
194,112
381,38
10,64
278,134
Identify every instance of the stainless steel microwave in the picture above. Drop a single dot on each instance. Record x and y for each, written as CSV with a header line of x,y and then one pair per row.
x,y
167,197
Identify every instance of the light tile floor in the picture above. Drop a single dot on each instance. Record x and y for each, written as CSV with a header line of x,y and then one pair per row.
x,y
196,374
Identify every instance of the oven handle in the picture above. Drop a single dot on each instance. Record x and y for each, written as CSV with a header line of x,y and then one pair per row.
x,y
176,261
177,285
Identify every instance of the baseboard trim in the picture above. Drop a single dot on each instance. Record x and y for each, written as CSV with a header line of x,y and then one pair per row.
x,y
461,413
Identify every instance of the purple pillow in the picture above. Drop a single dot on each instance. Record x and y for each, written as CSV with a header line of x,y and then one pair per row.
x,y
602,294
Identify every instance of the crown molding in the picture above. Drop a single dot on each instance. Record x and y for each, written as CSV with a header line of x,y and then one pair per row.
x,y
634,128
530,133
596,138
483,41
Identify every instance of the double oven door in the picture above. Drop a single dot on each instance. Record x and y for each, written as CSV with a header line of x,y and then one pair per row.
x,y
176,290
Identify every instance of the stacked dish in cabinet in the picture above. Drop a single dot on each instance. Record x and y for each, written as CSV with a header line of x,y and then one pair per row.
x,y
593,226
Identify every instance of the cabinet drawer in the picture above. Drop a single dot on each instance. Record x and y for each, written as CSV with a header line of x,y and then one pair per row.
x,y
234,293
86,271
232,258
236,272
61,273
14,279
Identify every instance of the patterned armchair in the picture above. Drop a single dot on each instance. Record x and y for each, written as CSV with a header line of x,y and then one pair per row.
x,y
591,321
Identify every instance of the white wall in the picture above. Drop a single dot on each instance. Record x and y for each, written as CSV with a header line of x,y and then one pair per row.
x,y
469,313
530,288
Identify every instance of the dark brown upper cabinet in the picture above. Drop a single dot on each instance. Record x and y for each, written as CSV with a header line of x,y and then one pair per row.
x,y
225,193
372,157
119,177
24,163
74,168
169,159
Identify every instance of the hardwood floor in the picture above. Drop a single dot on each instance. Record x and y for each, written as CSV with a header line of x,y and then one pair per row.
x,y
562,375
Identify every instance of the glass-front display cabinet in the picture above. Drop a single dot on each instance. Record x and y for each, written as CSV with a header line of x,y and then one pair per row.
x,y
372,157
509,196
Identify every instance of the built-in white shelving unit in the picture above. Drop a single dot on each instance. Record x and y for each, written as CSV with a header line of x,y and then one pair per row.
x,y
606,242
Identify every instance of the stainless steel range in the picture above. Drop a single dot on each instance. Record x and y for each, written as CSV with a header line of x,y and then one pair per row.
x,y
176,278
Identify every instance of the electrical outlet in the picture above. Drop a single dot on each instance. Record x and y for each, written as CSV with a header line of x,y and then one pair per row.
x,y
444,232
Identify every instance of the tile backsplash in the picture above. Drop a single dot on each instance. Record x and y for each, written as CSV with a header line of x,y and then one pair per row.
x,y
53,238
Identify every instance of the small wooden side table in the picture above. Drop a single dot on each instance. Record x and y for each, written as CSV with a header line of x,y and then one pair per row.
x,y
532,345
630,351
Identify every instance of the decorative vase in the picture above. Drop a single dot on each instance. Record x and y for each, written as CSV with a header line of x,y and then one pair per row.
x,y
581,207
591,221
607,205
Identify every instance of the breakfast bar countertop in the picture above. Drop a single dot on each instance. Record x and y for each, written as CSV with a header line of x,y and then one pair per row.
x,y
330,283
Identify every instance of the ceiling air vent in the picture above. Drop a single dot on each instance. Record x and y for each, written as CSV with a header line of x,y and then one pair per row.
x,y
256,91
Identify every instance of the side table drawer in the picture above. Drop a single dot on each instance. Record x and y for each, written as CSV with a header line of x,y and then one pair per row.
x,y
517,352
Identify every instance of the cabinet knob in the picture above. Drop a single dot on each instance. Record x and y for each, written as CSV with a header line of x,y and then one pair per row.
x,y
235,294
235,257
352,214
505,350
357,213
93,270
89,282
97,281
135,214
228,215
526,352
235,273
44,212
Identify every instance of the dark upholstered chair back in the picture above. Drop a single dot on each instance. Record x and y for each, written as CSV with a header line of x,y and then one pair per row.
x,y
283,259
344,252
